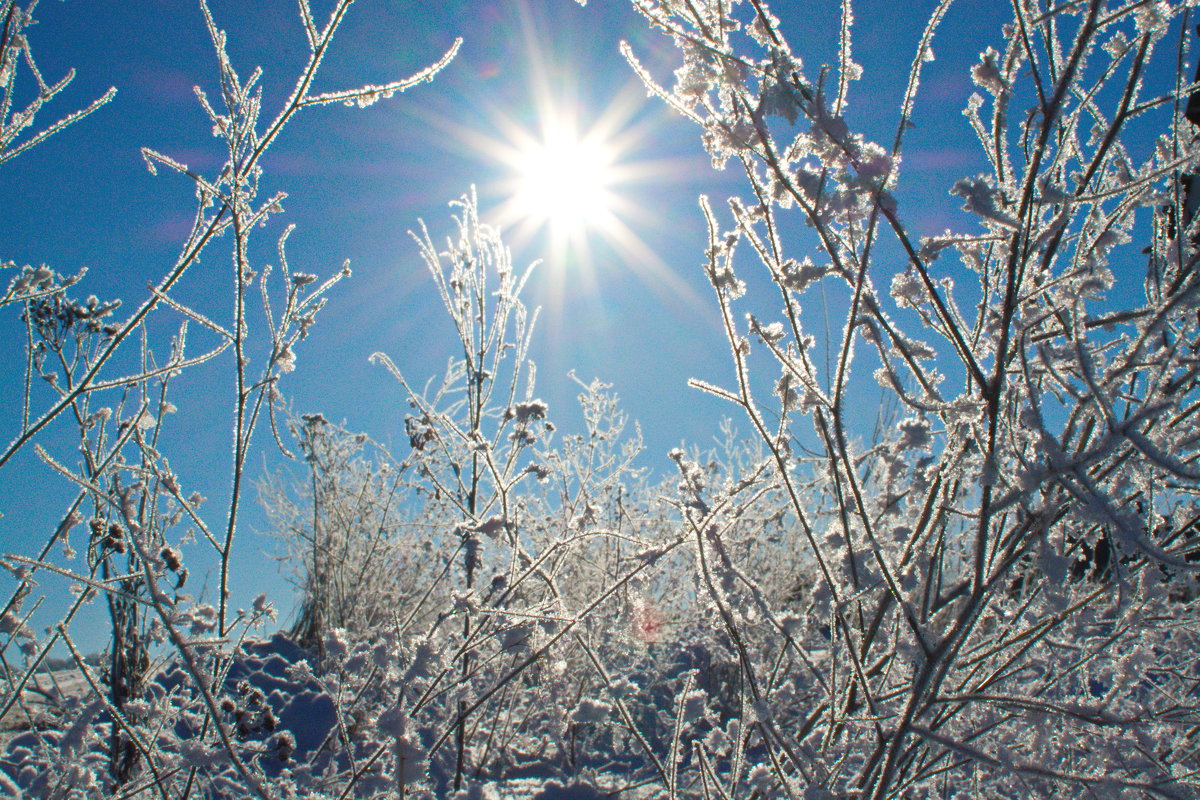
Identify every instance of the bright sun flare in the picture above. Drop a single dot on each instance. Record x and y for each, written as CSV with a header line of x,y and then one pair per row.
x,y
564,182
567,189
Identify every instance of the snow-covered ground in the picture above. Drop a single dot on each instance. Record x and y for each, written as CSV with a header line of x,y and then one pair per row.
x,y
39,732
42,697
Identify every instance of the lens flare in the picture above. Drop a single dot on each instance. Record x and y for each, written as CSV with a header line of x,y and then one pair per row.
x,y
564,182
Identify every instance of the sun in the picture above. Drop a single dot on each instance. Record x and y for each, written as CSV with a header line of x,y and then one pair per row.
x,y
564,181
570,186
572,180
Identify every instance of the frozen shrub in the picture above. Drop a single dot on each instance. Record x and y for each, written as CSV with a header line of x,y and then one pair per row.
x,y
992,592
1044,414
143,529
18,122
345,526
539,537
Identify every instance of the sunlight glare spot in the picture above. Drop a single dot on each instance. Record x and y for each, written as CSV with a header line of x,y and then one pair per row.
x,y
564,182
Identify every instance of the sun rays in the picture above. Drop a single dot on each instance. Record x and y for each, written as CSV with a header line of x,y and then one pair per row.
x,y
571,178
564,181
575,176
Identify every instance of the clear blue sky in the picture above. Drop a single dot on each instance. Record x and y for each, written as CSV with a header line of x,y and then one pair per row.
x,y
358,180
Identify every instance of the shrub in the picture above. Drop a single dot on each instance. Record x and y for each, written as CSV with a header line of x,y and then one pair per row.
x,y
1046,396
111,376
992,594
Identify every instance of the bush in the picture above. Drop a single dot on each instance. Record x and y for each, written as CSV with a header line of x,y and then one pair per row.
x,y
1045,410
992,595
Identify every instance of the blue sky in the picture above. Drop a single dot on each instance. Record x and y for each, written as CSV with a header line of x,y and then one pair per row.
x,y
641,318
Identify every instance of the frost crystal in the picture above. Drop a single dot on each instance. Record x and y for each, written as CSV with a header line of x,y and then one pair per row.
x,y
798,275
1152,18
589,710
987,73
907,290
286,359
528,411
980,198
914,434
